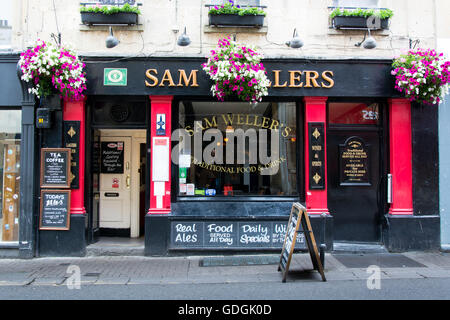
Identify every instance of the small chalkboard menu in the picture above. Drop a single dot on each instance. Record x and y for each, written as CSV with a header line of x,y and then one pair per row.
x,y
299,223
55,167
112,157
54,210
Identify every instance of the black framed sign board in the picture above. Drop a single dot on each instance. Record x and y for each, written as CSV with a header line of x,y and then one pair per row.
x,y
112,157
54,210
299,223
316,136
72,141
354,163
55,167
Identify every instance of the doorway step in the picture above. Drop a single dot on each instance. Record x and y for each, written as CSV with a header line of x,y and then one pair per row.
x,y
113,246
357,247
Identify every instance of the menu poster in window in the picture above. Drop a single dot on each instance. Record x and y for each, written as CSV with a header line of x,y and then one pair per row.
x,y
354,162
55,167
55,208
112,157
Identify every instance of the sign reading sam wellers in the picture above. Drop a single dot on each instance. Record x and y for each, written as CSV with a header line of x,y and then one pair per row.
x,y
289,77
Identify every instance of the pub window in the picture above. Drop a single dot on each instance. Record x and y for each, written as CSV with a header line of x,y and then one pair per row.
x,y
10,132
353,113
236,149
356,3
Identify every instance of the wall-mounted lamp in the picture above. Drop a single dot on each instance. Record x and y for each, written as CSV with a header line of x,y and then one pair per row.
x,y
367,43
111,41
296,42
415,42
184,39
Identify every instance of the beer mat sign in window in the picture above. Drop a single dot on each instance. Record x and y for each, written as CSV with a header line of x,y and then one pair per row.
x,y
354,163
316,135
54,210
112,157
55,167
299,224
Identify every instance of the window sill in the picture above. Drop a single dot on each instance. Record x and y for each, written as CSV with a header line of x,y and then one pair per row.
x,y
238,199
346,32
212,29
9,245
117,27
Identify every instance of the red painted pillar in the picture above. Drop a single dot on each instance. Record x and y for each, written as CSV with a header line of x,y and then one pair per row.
x,y
75,111
160,183
400,146
315,111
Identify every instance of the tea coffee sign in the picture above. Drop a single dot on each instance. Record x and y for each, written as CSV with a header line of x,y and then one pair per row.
x,y
55,167
354,162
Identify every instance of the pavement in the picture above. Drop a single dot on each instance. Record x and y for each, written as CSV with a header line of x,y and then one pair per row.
x,y
139,270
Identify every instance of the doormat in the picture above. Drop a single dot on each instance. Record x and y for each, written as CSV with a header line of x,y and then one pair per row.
x,y
380,260
239,261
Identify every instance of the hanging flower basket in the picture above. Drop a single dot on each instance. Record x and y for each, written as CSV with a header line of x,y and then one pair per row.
x,y
236,70
422,75
53,70
109,15
230,14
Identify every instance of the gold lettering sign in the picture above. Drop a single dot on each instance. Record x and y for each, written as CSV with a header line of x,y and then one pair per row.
x,y
231,119
297,79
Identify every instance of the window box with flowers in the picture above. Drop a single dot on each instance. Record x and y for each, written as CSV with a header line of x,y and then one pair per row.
x,y
109,15
231,14
342,18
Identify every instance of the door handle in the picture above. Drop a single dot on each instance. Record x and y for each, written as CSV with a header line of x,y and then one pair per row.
x,y
128,181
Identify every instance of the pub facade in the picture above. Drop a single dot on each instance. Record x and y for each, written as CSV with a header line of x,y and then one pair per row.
x,y
154,156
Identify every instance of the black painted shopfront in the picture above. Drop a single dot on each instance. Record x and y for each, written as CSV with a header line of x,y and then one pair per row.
x,y
222,206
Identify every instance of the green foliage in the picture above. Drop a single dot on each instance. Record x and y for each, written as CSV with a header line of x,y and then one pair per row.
x,y
230,8
365,13
110,9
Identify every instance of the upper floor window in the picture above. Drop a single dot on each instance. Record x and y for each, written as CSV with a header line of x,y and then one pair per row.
x,y
356,3
5,24
249,3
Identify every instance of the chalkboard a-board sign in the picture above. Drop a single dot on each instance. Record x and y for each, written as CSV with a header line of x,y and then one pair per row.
x,y
112,157
55,167
299,222
54,210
